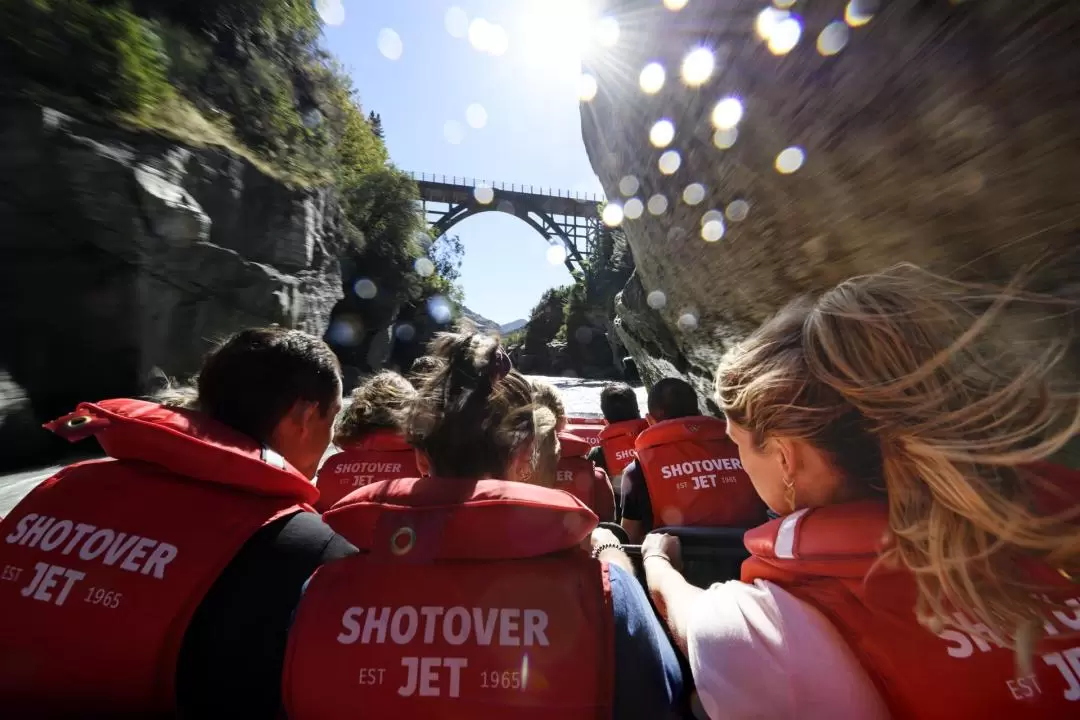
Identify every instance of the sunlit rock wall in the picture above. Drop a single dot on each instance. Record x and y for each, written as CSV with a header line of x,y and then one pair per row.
x,y
126,256
943,133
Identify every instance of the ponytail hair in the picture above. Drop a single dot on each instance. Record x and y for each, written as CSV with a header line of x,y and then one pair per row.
x,y
472,411
898,377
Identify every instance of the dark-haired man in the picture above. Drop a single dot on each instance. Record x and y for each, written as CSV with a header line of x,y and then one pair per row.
x,y
185,554
687,470
619,404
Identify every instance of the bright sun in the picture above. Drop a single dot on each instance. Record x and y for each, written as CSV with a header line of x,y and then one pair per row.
x,y
561,32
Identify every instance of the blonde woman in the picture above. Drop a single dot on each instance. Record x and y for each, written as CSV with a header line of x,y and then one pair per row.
x,y
922,563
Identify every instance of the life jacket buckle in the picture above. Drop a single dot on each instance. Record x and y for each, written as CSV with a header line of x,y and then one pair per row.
x,y
403,540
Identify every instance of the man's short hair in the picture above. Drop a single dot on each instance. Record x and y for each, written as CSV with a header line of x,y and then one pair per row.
x,y
673,398
252,380
618,402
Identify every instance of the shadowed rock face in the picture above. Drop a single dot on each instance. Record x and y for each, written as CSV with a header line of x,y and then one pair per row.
x,y
126,256
942,134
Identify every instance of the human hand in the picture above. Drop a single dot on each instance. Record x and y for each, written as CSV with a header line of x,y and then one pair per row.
x,y
662,545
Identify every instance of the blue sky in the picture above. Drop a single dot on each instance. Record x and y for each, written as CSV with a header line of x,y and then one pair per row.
x,y
532,134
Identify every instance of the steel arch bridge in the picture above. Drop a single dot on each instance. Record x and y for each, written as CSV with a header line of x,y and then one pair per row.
x,y
571,219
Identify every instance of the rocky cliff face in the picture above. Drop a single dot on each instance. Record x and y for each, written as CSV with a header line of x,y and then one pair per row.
x,y
125,256
942,133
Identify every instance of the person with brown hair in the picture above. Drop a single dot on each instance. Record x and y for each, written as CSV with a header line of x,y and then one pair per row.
x,y
575,472
369,434
476,597
921,565
163,579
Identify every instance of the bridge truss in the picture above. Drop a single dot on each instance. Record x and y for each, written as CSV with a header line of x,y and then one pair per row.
x,y
561,217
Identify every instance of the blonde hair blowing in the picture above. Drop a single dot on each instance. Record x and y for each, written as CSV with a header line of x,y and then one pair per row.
x,y
545,455
377,404
898,378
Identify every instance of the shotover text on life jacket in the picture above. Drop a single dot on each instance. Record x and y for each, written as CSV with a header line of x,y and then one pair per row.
x,y
577,475
588,429
475,600
380,455
694,475
617,440
105,563
824,557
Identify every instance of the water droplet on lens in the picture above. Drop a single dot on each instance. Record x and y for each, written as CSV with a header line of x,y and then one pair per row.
x,y
833,38
583,335
332,12
656,300
346,330
633,208
479,34
698,66
507,207
724,139
483,194
612,215
657,204
785,36
587,87
662,133
688,321
712,230
789,160
712,215
737,210
476,116
424,267
629,185
693,194
670,162
365,289
607,32
390,44
453,132
405,332
767,20
556,254
675,5
727,113
439,309
652,78
457,22
859,12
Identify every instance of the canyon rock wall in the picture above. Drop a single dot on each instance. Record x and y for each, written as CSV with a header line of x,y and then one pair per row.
x,y
942,133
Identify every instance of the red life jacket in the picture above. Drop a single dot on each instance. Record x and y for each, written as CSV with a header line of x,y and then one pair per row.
x,y
823,557
694,475
588,429
381,455
577,475
617,439
474,601
107,560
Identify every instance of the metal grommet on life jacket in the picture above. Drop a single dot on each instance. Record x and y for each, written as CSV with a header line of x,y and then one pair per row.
x,y
78,421
403,540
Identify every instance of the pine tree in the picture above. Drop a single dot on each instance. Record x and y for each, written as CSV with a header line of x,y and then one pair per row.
x,y
375,121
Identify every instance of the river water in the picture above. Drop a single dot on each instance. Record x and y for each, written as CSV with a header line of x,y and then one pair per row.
x,y
582,397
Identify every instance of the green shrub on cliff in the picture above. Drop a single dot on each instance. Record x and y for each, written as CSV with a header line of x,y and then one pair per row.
x,y
103,55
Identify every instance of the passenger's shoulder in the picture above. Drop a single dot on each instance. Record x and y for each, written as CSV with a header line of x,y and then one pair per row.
x,y
757,650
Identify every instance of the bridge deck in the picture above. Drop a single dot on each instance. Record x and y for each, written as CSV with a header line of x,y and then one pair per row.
x,y
459,190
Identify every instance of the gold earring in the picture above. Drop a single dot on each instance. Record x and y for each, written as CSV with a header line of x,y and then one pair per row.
x,y
789,492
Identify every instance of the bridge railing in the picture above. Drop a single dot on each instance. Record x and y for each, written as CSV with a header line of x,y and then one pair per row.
x,y
512,187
